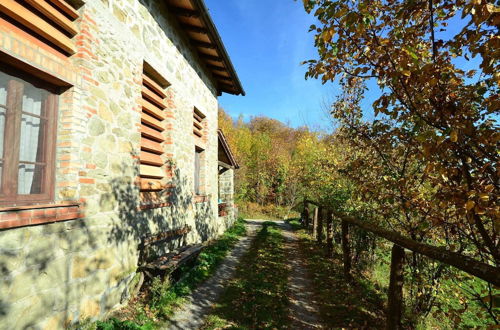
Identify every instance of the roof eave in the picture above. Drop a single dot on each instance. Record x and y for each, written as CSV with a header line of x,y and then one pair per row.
x,y
195,20
220,45
227,149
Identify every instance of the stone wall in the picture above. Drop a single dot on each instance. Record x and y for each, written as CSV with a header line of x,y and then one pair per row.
x,y
226,195
59,273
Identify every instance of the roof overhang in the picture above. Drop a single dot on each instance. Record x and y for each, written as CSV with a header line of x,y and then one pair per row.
x,y
194,19
229,161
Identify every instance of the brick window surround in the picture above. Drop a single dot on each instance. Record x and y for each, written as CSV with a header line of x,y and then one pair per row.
x,y
21,216
36,209
37,38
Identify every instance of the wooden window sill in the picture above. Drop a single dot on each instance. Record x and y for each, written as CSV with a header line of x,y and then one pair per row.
x,y
22,216
200,198
154,206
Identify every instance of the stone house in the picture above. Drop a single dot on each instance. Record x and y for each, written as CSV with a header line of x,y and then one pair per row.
x,y
108,135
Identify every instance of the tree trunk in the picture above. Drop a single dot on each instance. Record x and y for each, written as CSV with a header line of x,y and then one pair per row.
x,y
346,251
329,232
315,223
395,294
305,216
321,216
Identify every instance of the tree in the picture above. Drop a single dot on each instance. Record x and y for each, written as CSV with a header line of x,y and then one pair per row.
x,y
438,114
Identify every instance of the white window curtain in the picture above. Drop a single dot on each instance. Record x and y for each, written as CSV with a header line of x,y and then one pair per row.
x,y
28,180
3,103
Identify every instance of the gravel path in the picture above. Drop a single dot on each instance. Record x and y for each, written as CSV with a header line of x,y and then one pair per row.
x,y
303,308
199,304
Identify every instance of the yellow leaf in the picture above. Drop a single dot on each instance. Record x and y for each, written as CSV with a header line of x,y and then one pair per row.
x,y
454,136
492,8
470,205
484,197
406,73
479,210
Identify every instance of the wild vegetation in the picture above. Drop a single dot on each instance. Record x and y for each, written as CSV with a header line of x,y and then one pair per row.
x,y
426,164
151,309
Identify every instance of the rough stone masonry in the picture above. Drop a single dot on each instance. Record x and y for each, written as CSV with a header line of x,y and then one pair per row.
x,y
58,273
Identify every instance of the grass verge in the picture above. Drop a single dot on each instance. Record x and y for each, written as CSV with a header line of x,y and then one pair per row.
x,y
341,304
294,223
256,297
152,308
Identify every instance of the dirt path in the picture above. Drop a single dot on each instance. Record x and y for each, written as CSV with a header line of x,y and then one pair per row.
x,y
199,304
303,308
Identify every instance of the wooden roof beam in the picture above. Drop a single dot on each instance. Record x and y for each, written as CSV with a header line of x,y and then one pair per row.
x,y
193,28
184,12
221,77
211,57
224,86
203,44
216,67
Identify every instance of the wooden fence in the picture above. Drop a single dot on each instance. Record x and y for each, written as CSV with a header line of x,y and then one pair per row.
x,y
322,214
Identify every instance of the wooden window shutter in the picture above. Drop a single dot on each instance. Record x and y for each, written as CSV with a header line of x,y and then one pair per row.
x,y
52,20
198,118
152,172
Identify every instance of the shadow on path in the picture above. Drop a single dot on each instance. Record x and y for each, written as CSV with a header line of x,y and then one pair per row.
x,y
199,304
303,308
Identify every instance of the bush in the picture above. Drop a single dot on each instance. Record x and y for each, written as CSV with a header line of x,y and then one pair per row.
x,y
253,210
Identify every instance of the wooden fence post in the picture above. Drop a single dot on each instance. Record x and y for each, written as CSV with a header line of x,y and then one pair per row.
x,y
321,217
315,223
395,294
305,215
329,232
346,252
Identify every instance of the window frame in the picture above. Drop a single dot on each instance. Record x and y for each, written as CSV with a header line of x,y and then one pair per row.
x,y
198,159
12,137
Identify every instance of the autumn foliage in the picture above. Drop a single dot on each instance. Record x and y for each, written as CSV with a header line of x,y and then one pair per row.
x,y
432,151
427,164
423,160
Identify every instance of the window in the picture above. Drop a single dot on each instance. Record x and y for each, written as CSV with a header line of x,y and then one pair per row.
x,y
198,160
28,117
198,133
152,172
198,121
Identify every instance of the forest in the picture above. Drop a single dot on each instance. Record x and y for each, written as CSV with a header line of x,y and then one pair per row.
x,y
425,165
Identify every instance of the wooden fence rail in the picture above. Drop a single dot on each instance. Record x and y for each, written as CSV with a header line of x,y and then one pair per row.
x,y
467,264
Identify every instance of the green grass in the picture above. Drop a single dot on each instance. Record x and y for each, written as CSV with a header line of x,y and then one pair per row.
x,y
256,297
341,304
294,223
164,297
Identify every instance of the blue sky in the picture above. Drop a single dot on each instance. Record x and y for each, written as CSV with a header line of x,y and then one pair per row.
x,y
266,41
